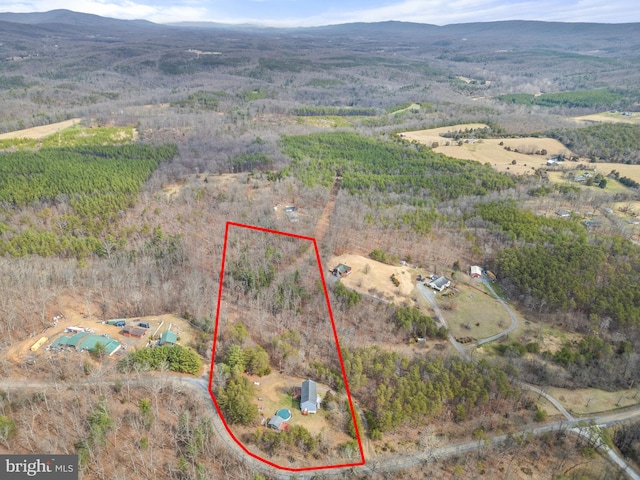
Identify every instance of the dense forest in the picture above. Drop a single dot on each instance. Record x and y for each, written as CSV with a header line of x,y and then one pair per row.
x,y
606,142
597,98
81,190
559,267
389,174
396,390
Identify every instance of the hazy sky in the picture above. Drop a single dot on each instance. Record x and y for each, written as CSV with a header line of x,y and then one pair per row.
x,y
324,12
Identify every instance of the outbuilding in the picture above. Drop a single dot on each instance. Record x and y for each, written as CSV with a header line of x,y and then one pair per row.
x,y
168,338
86,341
476,271
341,270
131,331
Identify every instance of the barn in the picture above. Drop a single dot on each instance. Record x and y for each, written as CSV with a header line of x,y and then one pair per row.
x,y
86,341
131,331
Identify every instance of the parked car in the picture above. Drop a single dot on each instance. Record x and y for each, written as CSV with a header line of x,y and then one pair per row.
x,y
143,325
121,323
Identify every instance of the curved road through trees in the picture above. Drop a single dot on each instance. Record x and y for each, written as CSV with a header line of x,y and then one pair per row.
x,y
587,433
585,427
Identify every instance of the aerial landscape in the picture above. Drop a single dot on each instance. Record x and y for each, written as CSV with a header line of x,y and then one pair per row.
x,y
362,249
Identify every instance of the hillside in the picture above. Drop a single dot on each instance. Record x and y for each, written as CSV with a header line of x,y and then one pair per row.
x,y
410,153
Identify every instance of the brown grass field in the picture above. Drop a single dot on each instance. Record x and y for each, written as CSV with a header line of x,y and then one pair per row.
x,y
40,132
490,151
589,401
608,117
377,281
472,311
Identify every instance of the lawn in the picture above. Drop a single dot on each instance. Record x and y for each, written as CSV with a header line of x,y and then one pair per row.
x,y
274,393
472,311
589,401
611,117
612,185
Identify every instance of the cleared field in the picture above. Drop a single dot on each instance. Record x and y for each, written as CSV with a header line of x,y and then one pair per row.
x,y
629,208
610,117
631,171
40,132
612,186
473,312
490,151
273,392
413,106
588,401
75,313
329,121
374,278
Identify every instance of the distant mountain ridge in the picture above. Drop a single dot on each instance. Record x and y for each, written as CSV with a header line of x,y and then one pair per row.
x,y
509,34
68,17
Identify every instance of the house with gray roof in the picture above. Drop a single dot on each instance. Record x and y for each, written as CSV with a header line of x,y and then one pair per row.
x,y
439,283
309,397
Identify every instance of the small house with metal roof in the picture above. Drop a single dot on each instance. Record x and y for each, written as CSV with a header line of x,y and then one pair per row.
x,y
168,338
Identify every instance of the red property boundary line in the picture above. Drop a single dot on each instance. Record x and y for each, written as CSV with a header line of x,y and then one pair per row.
x,y
335,336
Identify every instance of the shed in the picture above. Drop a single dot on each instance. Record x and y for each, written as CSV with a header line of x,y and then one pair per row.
x,y
131,331
168,338
439,283
341,270
276,422
38,344
75,329
309,397
476,271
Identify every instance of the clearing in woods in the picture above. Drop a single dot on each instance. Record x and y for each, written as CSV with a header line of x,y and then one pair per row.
x,y
41,131
490,151
78,314
374,278
471,311
610,117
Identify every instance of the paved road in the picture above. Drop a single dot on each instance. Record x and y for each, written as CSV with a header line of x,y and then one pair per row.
x,y
428,295
606,420
551,399
585,427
